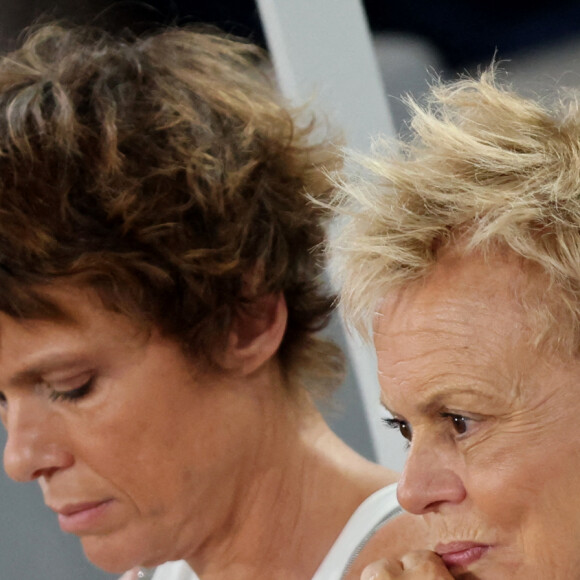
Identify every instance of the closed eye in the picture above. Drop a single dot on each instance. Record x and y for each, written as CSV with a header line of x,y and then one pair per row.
x,y
71,395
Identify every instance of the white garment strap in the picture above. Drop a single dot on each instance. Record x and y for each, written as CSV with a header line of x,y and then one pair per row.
x,y
178,570
369,517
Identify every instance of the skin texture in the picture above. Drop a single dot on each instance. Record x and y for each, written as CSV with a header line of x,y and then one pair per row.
x,y
494,455
192,464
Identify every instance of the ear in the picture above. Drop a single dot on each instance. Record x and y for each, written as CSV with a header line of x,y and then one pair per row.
x,y
256,334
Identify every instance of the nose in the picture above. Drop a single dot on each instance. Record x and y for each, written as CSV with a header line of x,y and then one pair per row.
x,y
429,481
32,447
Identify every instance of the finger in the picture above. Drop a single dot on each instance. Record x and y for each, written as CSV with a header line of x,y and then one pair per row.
x,y
382,570
426,565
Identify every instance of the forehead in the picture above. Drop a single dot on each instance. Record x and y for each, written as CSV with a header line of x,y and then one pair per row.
x,y
85,323
461,327
459,291
68,306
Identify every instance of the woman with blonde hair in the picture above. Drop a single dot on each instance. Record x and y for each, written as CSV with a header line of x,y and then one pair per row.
x,y
462,246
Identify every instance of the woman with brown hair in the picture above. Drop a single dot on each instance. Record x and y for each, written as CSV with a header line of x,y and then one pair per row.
x,y
161,293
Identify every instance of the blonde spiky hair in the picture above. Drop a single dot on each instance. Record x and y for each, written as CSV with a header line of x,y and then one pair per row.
x,y
481,162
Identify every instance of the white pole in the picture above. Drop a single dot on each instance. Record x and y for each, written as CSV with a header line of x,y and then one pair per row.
x,y
323,48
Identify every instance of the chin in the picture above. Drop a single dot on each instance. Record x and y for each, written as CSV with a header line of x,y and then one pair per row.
x,y
117,553
112,556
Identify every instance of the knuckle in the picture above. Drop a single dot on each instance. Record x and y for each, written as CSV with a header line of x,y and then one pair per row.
x,y
381,570
424,562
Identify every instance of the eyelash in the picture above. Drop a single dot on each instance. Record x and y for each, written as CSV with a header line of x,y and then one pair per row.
x,y
70,396
73,395
392,423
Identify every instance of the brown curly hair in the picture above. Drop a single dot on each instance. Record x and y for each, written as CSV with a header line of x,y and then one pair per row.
x,y
161,171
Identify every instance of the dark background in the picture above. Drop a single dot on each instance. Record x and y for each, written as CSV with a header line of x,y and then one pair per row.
x,y
465,32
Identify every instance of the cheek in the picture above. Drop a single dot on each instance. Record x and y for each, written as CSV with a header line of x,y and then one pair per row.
x,y
158,449
133,447
526,491
503,480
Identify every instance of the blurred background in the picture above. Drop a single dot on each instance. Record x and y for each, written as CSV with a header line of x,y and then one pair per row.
x,y
537,43
537,40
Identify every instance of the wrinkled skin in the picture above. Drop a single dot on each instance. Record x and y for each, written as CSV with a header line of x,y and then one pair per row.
x,y
494,458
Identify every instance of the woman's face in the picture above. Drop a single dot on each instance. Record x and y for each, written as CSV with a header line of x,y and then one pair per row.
x,y
139,454
493,424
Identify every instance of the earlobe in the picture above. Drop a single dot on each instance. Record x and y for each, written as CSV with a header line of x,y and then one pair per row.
x,y
256,334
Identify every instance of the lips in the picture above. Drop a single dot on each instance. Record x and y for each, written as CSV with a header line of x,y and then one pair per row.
x,y
82,517
461,554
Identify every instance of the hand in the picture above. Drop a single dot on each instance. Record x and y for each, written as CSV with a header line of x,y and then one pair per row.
x,y
420,565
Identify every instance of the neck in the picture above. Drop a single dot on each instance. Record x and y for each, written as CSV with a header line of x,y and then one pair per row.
x,y
301,487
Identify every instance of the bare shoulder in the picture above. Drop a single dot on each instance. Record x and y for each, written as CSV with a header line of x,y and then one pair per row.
x,y
399,536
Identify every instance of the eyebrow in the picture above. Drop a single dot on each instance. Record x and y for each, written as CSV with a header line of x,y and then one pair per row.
x,y
435,400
